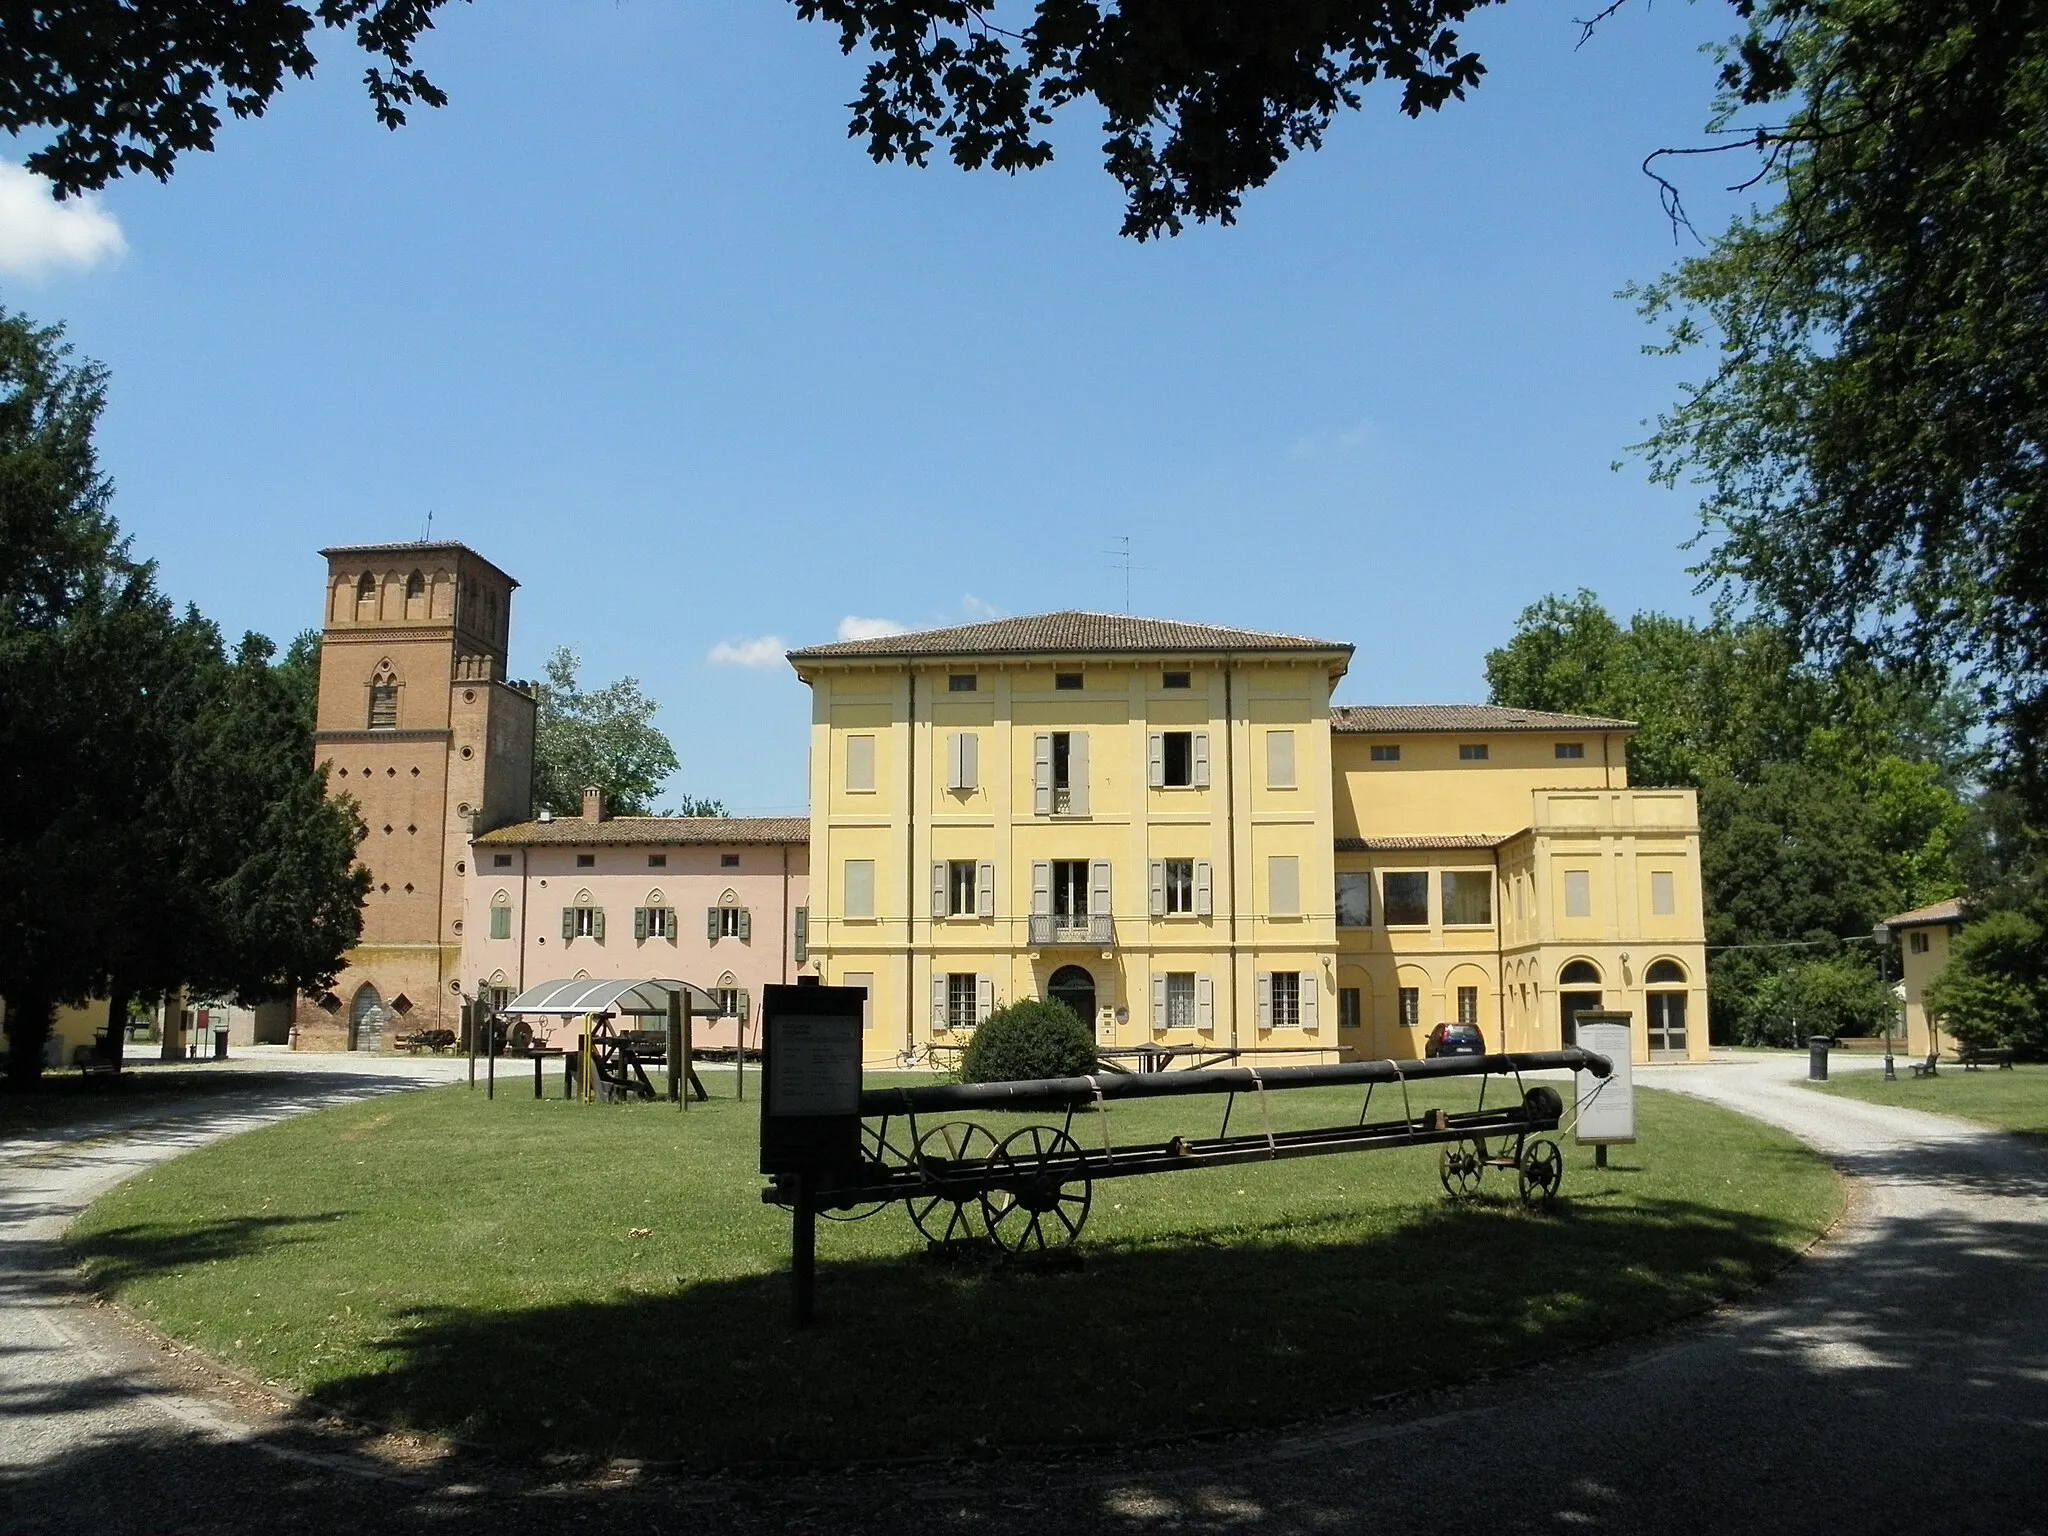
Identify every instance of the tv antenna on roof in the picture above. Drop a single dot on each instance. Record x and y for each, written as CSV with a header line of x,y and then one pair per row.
x,y
1123,558
428,536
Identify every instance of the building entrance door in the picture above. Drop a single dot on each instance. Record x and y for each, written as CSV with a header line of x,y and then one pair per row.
x,y
1072,985
1667,1023
365,1019
1569,1005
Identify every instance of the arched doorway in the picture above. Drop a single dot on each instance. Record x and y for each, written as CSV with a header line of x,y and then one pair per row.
x,y
365,1019
1072,985
1578,990
1664,1004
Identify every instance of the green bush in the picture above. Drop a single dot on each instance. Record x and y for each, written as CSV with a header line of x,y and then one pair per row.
x,y
1028,1039
1834,995
1994,989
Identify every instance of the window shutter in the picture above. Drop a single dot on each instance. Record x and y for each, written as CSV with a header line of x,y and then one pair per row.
x,y
746,1006
952,760
1265,999
1041,888
1311,984
1041,774
746,925
1159,1002
938,887
1077,772
670,925
985,891
1155,760
1098,888
1205,1005
803,934
938,1004
597,925
639,924
1201,759
711,924
568,924
970,760
1157,878
984,998
1204,900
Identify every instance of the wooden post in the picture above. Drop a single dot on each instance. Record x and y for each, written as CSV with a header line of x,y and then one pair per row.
x,y
469,1012
583,1063
803,1254
676,1005
689,1067
491,1066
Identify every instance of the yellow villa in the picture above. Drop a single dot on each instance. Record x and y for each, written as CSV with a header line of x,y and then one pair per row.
x,y
1924,936
1170,827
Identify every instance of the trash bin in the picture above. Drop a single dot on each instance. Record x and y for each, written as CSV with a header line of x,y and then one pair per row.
x,y
220,1045
1817,1057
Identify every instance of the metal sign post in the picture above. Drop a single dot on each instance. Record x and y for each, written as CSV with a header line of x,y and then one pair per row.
x,y
810,1111
1606,1108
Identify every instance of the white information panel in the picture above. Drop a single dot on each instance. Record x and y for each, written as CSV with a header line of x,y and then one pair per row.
x,y
1606,1106
815,1067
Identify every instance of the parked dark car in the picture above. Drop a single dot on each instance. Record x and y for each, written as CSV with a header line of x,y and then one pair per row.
x,y
1455,1040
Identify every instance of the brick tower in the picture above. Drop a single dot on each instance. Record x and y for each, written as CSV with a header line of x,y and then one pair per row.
x,y
420,728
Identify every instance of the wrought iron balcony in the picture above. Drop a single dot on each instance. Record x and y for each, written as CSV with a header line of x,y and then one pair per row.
x,y
1061,930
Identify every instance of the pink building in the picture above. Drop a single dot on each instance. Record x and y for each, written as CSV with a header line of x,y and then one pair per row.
x,y
722,902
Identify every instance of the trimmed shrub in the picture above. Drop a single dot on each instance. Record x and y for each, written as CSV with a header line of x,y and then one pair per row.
x,y
1994,989
1028,1039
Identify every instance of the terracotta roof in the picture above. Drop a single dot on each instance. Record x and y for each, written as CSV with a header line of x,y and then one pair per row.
x,y
1950,911
1390,719
1405,844
1071,633
650,830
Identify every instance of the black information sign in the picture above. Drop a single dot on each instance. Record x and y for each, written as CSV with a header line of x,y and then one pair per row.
x,y
810,1061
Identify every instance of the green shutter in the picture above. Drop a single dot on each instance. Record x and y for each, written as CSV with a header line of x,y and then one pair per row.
x,y
568,924
746,925
711,924
803,934
639,924
597,925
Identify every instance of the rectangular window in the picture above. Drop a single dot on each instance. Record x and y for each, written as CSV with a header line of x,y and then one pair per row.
x,y
1917,943
865,981
728,1001
960,682
732,922
1386,754
960,989
657,861
1180,887
1354,900
1566,750
500,998
860,764
1178,680
1468,1005
501,861
1350,1009
1411,1007
1180,999
960,900
1468,898
1287,999
1070,888
1472,752
384,706
1404,899
1283,885
586,922
728,861
860,889
586,861
1177,766
1578,893
657,922
1066,682
1279,759
1663,893
501,922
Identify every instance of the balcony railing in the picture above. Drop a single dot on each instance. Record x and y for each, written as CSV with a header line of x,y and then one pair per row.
x,y
1072,930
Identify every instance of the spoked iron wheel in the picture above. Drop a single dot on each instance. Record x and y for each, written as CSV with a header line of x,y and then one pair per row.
x,y
1542,1171
1460,1168
949,1207
1039,1190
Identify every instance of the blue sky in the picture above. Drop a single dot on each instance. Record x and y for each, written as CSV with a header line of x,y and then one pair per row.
x,y
635,319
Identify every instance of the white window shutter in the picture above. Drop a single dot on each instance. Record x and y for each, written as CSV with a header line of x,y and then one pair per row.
x,y
1041,888
1265,999
1098,888
1077,772
1157,879
970,760
939,1004
1155,760
984,998
1041,774
1201,759
953,760
1311,985
985,890
938,887
1205,899
1205,1004
1158,1002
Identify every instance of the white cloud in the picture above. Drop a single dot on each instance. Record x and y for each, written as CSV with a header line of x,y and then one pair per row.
x,y
38,234
853,627
761,651
981,609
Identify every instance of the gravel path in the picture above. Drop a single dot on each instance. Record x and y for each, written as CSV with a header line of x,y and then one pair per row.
x,y
1897,1380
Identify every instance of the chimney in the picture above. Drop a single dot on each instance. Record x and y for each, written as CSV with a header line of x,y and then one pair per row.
x,y
593,803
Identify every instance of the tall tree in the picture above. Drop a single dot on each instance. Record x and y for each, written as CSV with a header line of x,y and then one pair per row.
x,y
606,737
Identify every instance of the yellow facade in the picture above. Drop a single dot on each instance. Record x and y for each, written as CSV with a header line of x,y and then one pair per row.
x,y
1924,937
1150,820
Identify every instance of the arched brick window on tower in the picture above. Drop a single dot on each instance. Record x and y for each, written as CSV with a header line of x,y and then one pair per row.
x,y
366,596
416,596
384,697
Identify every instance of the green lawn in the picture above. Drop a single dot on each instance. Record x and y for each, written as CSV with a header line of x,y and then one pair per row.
x,y
2012,1101
442,1263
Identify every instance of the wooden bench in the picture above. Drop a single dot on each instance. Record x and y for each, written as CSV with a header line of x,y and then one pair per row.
x,y
1971,1057
1928,1068
94,1058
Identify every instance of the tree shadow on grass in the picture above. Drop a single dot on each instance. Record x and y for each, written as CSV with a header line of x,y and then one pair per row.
x,y
1143,1341
117,1257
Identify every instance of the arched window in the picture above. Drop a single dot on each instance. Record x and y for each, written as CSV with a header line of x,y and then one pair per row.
x,y
501,915
1665,973
366,594
415,585
384,696
1665,1008
1579,973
